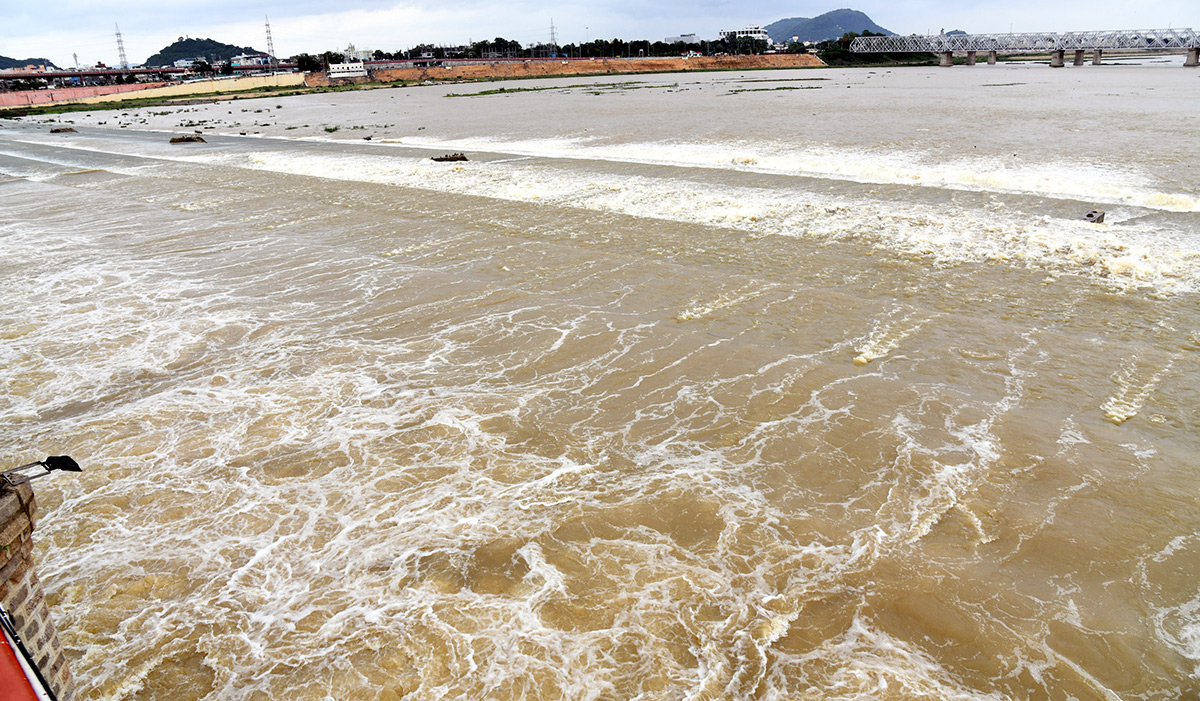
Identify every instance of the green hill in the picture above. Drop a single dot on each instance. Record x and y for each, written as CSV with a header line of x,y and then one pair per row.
x,y
831,25
6,62
213,51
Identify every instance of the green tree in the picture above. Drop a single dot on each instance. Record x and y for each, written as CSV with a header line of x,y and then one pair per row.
x,y
747,45
307,63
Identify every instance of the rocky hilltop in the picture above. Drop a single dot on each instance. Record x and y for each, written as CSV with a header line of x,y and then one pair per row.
x,y
212,51
831,25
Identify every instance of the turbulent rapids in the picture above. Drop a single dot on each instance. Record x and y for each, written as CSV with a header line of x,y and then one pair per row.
x,y
694,386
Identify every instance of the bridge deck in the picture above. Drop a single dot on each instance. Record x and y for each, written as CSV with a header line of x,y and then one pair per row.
x,y
1040,42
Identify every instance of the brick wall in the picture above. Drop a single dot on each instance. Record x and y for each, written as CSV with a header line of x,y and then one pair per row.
x,y
21,592
599,66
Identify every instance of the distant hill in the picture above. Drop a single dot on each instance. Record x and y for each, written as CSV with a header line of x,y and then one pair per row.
x,y
213,51
831,25
6,62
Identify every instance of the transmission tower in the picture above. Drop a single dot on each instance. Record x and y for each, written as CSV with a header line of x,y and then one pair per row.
x,y
270,47
553,36
124,62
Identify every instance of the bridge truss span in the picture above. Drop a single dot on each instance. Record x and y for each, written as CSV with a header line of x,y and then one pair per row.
x,y
1033,42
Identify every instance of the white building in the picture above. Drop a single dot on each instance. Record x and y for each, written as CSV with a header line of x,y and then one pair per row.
x,y
757,33
683,38
355,69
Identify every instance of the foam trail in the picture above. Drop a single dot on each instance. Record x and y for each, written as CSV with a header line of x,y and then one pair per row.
x,y
1132,393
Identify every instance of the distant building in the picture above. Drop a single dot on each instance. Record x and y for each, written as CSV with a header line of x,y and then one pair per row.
x,y
352,54
187,62
250,60
757,33
355,69
683,39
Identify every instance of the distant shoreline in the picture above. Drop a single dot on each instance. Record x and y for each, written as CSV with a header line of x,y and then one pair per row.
x,y
296,84
566,67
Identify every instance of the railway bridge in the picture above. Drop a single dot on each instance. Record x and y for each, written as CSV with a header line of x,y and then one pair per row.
x,y
1055,44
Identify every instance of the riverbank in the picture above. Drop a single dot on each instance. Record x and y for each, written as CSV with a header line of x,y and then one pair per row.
x,y
36,101
563,67
51,101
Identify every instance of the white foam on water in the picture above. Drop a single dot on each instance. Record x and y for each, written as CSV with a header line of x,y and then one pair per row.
x,y
703,308
1081,180
1135,386
1176,613
887,335
1129,257
867,662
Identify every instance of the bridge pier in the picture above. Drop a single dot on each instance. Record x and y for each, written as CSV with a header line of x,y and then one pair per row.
x,y
970,58
1078,57
991,58
1193,58
947,59
1056,58
1096,57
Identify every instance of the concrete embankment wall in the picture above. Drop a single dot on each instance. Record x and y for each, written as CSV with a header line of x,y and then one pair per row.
x,y
560,67
25,98
21,591
116,93
208,87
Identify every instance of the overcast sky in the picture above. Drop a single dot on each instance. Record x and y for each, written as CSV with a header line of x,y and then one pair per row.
x,y
56,29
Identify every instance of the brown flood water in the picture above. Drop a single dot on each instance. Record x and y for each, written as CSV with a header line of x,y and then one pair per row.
x,y
680,388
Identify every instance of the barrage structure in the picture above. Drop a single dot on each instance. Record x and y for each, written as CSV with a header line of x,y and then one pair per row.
x,y
1055,44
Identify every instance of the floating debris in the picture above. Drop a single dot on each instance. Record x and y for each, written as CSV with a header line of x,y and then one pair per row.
x,y
1096,216
450,157
63,130
189,139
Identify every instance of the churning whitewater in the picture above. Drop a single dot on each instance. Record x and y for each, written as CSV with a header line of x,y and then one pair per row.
x,y
789,384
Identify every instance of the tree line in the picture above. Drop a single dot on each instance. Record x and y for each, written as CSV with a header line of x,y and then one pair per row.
x,y
501,48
